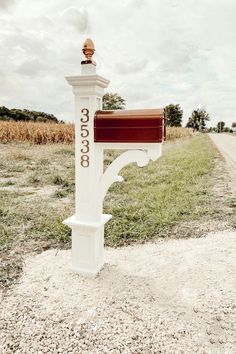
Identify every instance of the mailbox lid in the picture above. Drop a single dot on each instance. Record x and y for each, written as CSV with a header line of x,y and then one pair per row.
x,y
146,126
128,118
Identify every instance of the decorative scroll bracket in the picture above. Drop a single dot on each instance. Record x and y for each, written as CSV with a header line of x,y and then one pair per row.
x,y
141,157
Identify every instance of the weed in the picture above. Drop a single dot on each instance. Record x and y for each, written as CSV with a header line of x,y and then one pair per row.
x,y
3,236
60,193
58,180
232,203
8,183
33,179
44,162
67,186
3,212
65,152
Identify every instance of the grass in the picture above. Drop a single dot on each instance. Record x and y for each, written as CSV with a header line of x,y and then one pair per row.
x,y
151,201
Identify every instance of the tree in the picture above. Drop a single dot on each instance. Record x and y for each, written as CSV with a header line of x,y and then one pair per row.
x,y
25,115
234,125
4,113
174,115
220,126
112,101
198,119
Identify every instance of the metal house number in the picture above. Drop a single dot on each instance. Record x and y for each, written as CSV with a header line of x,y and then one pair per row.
x,y
84,133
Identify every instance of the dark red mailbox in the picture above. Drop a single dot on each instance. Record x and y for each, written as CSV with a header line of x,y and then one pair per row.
x,y
129,126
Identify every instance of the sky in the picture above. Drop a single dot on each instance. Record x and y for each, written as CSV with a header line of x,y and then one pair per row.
x,y
154,52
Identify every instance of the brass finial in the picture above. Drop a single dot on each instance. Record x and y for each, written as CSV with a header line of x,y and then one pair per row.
x,y
88,50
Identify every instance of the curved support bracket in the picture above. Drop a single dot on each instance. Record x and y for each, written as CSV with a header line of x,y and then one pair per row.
x,y
139,155
111,174
154,152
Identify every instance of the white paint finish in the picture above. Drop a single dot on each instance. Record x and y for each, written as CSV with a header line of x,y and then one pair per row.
x,y
91,184
87,244
88,222
73,222
88,69
133,146
87,251
86,85
88,91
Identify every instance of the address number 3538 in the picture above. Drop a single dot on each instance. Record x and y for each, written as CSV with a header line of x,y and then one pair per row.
x,y
84,133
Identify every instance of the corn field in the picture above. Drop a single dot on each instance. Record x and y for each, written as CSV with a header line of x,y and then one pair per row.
x,y
178,133
50,133
37,133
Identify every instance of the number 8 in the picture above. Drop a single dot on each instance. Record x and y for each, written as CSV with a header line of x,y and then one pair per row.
x,y
84,161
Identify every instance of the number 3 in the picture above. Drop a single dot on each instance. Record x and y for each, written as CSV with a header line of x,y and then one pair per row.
x,y
85,112
86,146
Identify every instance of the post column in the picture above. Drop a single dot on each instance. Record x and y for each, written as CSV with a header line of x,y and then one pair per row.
x,y
87,223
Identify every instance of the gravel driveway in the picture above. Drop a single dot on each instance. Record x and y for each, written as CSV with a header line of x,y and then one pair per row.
x,y
176,296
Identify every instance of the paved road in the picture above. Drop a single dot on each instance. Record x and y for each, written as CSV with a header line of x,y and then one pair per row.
x,y
227,146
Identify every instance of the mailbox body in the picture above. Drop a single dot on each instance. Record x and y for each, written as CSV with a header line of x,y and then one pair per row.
x,y
129,126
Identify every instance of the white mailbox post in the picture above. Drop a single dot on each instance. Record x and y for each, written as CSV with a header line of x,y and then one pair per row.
x,y
91,182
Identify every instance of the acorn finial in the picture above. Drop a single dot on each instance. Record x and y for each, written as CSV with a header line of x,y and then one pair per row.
x,y
88,50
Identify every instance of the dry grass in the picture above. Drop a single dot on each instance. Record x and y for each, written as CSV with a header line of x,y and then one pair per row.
x,y
177,133
37,133
49,133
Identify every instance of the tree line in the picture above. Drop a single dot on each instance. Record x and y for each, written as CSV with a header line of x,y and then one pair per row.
x,y
26,115
113,101
173,113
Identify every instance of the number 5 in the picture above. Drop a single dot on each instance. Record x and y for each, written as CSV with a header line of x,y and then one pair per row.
x,y
84,131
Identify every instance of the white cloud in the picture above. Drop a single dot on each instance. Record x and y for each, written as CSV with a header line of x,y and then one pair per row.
x,y
5,3
125,68
78,18
154,52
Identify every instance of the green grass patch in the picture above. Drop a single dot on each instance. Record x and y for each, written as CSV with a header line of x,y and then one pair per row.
x,y
7,183
153,199
65,151
50,228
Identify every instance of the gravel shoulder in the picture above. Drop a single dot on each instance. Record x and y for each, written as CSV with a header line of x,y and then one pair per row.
x,y
226,144
175,296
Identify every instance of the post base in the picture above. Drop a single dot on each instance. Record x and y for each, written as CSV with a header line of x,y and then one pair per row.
x,y
87,244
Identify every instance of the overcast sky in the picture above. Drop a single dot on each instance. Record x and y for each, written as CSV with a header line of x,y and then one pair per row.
x,y
154,52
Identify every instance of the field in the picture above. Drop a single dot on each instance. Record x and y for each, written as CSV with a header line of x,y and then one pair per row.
x,y
172,197
50,133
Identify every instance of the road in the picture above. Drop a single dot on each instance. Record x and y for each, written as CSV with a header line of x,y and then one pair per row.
x,y
227,145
